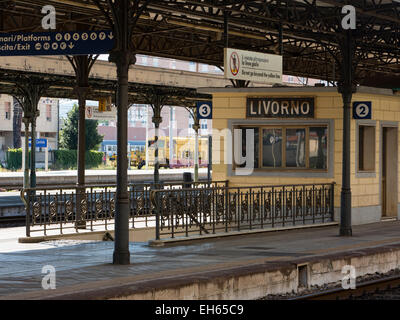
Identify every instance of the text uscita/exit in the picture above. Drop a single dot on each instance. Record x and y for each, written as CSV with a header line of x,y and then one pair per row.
x,y
17,47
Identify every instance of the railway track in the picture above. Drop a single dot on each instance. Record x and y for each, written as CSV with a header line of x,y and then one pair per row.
x,y
12,221
384,288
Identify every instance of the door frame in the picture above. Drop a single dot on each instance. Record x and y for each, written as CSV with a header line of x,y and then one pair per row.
x,y
388,124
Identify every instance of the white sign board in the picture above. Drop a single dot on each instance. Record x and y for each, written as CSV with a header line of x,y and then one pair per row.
x,y
252,66
92,113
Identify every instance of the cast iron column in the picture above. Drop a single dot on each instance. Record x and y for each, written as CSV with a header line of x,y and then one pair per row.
x,y
82,66
30,94
209,165
171,137
346,89
80,190
196,127
26,122
122,56
33,150
156,120
226,29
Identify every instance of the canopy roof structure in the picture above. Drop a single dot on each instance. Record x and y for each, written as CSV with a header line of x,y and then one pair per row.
x,y
193,30
62,86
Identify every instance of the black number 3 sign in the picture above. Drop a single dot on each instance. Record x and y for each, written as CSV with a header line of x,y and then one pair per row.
x,y
204,110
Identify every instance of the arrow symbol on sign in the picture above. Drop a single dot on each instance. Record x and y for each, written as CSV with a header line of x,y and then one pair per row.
x,y
71,45
111,36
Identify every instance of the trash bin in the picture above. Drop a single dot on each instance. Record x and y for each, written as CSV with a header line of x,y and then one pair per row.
x,y
187,177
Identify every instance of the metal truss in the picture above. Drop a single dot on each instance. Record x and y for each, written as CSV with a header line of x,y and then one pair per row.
x,y
193,30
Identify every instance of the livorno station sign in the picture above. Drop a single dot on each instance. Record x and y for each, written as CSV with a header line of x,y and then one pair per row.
x,y
56,43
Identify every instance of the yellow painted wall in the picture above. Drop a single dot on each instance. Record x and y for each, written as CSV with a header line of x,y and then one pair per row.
x,y
328,105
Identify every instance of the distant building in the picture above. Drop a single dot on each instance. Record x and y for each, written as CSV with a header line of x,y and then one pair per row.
x,y
181,122
46,126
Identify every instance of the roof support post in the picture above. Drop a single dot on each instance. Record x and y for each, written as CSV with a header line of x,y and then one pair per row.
x,y
82,66
156,99
122,16
35,94
33,152
196,126
171,137
80,222
226,29
29,95
346,88
26,122
280,39
157,119
17,117
123,57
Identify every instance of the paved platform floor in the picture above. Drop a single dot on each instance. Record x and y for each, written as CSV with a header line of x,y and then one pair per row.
x,y
81,264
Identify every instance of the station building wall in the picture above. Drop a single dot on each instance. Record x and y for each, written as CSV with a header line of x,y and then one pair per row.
x,y
229,109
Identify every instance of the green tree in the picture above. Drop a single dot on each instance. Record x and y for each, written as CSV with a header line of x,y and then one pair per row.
x,y
69,134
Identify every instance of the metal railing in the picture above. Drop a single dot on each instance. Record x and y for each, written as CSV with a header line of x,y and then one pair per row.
x,y
217,209
54,209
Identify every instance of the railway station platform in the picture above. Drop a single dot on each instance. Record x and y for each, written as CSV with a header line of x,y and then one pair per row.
x,y
240,267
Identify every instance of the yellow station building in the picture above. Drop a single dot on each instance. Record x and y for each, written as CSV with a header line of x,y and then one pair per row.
x,y
298,138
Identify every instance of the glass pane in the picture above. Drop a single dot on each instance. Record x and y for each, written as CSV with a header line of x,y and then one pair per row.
x,y
272,148
318,147
256,147
366,148
295,148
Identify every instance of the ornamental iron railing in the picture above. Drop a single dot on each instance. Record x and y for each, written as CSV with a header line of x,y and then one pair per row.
x,y
53,210
221,209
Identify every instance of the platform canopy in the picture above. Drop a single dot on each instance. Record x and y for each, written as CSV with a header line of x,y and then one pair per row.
x,y
62,86
194,30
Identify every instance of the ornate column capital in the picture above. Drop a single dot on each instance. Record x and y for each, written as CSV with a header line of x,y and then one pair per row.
x,y
122,58
156,120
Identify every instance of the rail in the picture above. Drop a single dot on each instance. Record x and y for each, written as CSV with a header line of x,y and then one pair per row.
x,y
11,220
222,209
53,210
362,288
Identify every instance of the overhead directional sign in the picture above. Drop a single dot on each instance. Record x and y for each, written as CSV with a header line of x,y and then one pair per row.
x,y
204,110
56,43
